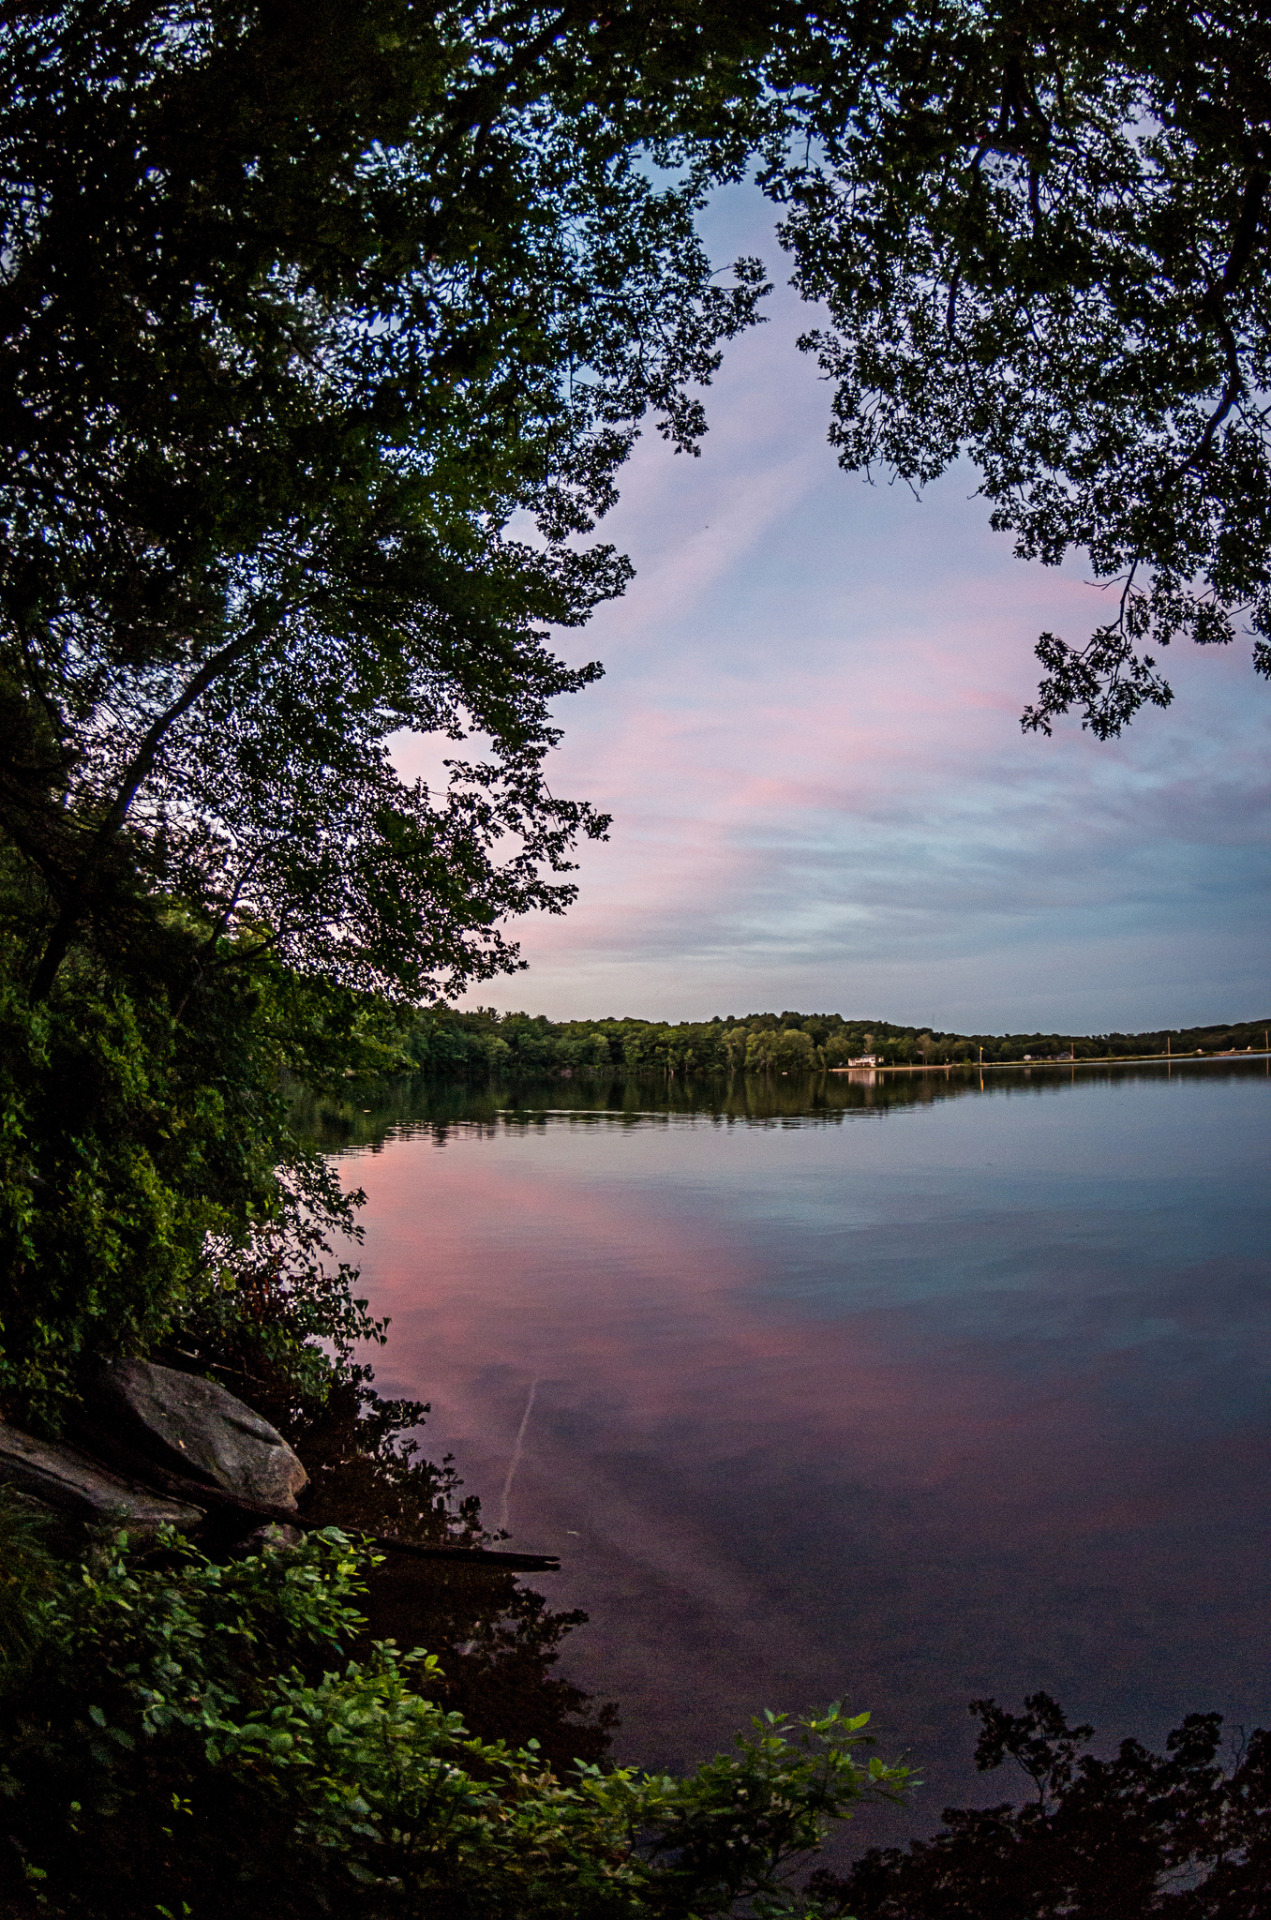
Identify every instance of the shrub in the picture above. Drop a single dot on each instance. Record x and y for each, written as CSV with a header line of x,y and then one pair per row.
x,y
190,1739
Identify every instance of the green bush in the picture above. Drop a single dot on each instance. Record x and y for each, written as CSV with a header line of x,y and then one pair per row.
x,y
148,1154
190,1739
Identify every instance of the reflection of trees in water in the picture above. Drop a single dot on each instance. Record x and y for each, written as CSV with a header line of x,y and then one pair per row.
x,y
1141,1836
498,1642
418,1104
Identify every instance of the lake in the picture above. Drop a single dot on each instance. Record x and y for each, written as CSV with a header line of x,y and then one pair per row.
x,y
903,1390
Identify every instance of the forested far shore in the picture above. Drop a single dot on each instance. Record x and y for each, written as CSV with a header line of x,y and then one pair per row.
x,y
448,1043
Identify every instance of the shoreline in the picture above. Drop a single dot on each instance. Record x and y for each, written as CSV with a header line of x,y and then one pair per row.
x,y
1101,1060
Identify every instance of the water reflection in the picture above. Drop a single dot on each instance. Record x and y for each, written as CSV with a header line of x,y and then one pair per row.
x,y
410,1104
969,1397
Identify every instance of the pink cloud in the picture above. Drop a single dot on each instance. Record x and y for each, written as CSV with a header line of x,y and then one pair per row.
x,y
808,736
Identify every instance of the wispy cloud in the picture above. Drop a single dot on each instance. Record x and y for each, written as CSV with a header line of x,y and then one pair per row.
x,y
808,736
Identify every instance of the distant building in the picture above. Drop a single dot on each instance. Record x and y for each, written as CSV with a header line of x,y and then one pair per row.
x,y
864,1060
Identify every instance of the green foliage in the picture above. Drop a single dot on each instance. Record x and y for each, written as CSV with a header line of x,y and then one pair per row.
x,y
30,1572
1142,1836
325,344
448,1044
147,1151
121,1156
300,316
189,1739
157,1198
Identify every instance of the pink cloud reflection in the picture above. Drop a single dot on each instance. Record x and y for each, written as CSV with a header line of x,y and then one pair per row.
x,y
764,1505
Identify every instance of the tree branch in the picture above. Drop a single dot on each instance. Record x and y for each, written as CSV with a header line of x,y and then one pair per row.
x,y
136,772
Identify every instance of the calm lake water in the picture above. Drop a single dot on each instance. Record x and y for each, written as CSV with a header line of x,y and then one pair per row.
x,y
907,1393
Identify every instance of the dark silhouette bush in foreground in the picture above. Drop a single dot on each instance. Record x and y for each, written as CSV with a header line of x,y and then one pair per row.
x,y
1176,1835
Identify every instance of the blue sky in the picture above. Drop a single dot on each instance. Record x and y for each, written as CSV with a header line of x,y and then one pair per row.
x,y
808,737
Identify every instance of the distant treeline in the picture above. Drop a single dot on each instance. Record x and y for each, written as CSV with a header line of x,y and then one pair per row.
x,y
448,1043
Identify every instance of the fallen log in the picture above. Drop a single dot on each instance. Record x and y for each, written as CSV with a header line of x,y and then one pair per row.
x,y
217,1500
478,1556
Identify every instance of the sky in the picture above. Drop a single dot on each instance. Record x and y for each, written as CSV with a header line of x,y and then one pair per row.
x,y
808,737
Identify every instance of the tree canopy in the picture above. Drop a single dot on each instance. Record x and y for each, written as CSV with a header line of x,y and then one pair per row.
x,y
1041,232
322,334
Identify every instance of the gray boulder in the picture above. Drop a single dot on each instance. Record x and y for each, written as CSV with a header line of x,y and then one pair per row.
x,y
70,1482
198,1429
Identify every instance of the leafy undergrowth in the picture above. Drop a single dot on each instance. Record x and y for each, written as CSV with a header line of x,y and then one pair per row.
x,y
187,1739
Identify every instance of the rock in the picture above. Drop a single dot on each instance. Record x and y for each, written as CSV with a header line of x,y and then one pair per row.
x,y
69,1481
198,1429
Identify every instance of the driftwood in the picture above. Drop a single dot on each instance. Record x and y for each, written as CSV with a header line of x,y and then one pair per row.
x,y
216,1500
109,1471
472,1556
